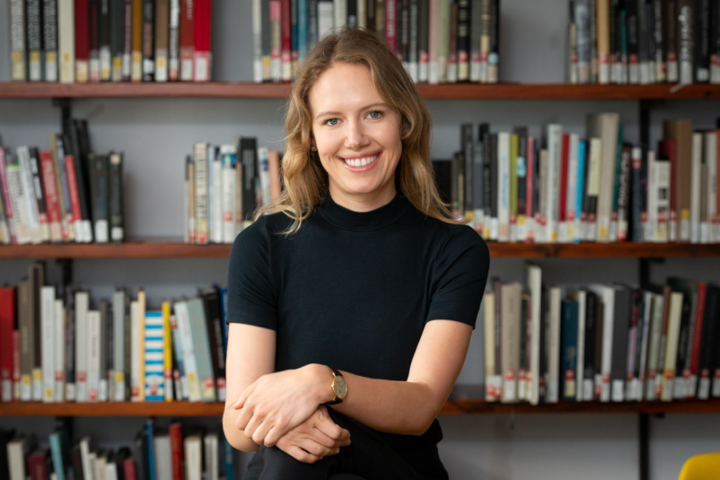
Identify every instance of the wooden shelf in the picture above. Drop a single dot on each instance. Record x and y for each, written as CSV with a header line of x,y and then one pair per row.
x,y
452,407
505,91
497,250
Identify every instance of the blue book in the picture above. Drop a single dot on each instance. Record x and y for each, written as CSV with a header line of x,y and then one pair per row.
x,y
154,357
302,29
222,293
580,186
60,453
568,348
150,449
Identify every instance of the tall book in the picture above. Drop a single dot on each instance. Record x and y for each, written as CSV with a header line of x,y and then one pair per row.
x,y
603,40
104,36
187,40
174,41
116,209
162,39
148,40
201,344
188,351
686,40
621,309
99,166
34,40
511,338
681,132
117,39
569,348
18,51
605,127
7,325
154,356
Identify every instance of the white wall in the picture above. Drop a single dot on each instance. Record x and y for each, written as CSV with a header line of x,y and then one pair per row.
x,y
156,134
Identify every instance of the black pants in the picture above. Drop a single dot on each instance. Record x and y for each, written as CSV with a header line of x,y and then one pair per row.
x,y
368,457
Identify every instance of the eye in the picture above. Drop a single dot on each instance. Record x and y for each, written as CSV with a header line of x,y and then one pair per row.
x,y
378,114
330,120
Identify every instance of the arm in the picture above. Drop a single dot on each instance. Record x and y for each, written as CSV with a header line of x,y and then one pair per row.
x,y
405,407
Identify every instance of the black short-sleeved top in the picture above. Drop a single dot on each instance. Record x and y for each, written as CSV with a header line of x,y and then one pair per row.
x,y
355,289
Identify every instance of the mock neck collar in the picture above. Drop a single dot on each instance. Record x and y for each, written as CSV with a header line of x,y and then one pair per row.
x,y
364,221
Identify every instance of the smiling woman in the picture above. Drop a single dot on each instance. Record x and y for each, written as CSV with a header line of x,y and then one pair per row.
x,y
351,300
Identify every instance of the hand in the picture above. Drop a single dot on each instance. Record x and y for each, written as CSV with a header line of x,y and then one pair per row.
x,y
278,402
315,438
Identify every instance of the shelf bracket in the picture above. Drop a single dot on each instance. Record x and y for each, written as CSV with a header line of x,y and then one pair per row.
x,y
644,270
66,267
644,445
65,106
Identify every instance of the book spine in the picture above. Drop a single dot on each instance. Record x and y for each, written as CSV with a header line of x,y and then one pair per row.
x,y
79,132
452,66
94,41
17,202
116,208
74,197
48,343
493,62
93,350
18,50
39,195
181,382
162,39
324,26
572,187
81,344
503,191
136,62
99,188
148,40
702,40
187,40
104,37
615,198
69,346
642,33
202,57
229,194
30,200
186,333
692,382
434,42
59,351
34,43
463,41
174,41
201,192
413,40
7,324
258,26
603,40
153,357
686,41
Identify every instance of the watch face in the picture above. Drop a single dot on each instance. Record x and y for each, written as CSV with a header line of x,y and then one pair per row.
x,y
340,387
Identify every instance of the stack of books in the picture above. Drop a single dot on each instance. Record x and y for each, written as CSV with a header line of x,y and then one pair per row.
x,y
64,194
601,342
438,41
597,187
60,345
110,40
643,42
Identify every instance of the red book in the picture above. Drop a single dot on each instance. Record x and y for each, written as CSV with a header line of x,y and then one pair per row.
x,y
7,325
38,465
82,40
47,168
667,149
187,40
202,57
530,179
564,158
129,465
285,41
391,24
73,189
176,450
16,365
697,339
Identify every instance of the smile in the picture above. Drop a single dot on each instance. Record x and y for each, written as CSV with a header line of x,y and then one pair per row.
x,y
361,162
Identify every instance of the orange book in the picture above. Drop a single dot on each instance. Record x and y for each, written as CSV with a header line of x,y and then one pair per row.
x,y
137,41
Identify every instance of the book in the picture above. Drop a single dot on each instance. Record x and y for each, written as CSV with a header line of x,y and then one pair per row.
x,y
99,165
18,52
202,58
148,40
34,40
162,40
115,207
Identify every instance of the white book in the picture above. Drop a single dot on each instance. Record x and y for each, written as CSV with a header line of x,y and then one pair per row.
x,y
82,300
711,160
639,384
59,351
17,203
100,464
433,67
47,316
593,162
135,351
606,294
654,370
186,336
217,197
339,13
552,378
554,143
66,40
229,188
671,346
93,350
503,191
696,189
325,19
111,471
193,451
86,460
163,459
661,213
118,312
257,40
572,190
16,452
31,207
210,192
212,468
534,282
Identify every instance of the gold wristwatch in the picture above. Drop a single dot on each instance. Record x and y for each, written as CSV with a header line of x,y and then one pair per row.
x,y
338,385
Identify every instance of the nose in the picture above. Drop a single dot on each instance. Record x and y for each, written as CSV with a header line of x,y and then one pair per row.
x,y
355,135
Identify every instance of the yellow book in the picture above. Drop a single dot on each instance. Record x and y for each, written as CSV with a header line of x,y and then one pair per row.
x,y
513,186
167,352
141,341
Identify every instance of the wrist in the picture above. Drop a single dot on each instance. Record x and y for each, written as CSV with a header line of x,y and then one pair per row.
x,y
322,381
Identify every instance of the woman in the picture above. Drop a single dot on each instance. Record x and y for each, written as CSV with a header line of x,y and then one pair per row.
x,y
351,307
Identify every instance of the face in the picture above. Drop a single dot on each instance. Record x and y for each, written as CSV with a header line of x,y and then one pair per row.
x,y
357,136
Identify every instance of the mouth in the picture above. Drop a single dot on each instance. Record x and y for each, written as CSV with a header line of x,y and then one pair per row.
x,y
363,163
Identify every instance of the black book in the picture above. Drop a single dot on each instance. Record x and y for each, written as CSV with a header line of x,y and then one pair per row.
x,y
493,181
352,14
631,12
99,196
494,55
521,172
714,42
117,38
148,40
659,33
5,437
423,39
370,9
115,197
50,41
589,367
622,310
486,173
642,36
77,463
478,193
104,50
463,41
248,160
403,30
127,40
686,40
457,185
618,34
689,290
468,145
34,40
413,51
639,317
710,342
651,46
80,147
544,305
127,360
140,454
39,192
213,316
94,24
702,40
109,339
443,173
70,343
613,28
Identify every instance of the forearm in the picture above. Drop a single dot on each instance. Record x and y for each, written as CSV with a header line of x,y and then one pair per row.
x,y
234,435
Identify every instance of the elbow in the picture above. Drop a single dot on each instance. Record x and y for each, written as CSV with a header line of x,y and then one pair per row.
x,y
422,421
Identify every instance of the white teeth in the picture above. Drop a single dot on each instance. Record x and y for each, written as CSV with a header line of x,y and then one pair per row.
x,y
361,162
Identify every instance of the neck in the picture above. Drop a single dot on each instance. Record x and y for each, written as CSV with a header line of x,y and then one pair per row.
x,y
363,202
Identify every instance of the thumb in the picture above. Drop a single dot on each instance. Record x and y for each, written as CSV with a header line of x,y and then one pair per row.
x,y
328,427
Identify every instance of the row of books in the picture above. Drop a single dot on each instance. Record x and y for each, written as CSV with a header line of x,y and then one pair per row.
x,y
59,345
64,194
174,453
643,41
224,185
601,342
438,41
599,187
110,40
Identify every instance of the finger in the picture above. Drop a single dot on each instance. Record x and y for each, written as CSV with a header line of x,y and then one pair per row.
x,y
301,455
243,418
274,434
328,427
319,437
240,402
313,447
257,429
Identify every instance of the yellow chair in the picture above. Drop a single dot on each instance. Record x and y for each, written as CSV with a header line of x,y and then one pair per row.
x,y
701,467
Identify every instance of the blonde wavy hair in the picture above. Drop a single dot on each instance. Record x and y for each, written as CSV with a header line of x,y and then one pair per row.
x,y
304,179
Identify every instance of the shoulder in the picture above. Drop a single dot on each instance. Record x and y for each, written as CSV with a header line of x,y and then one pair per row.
x,y
256,237
454,240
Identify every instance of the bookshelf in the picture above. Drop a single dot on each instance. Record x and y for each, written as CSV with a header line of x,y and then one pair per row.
x,y
505,91
497,250
451,407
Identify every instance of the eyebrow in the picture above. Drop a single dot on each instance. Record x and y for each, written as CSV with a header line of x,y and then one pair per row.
x,y
381,104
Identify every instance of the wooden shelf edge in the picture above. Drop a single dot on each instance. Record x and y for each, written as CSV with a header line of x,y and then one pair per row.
x,y
497,250
452,407
505,91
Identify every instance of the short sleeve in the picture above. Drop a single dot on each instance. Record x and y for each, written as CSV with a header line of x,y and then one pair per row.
x,y
251,293
458,278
